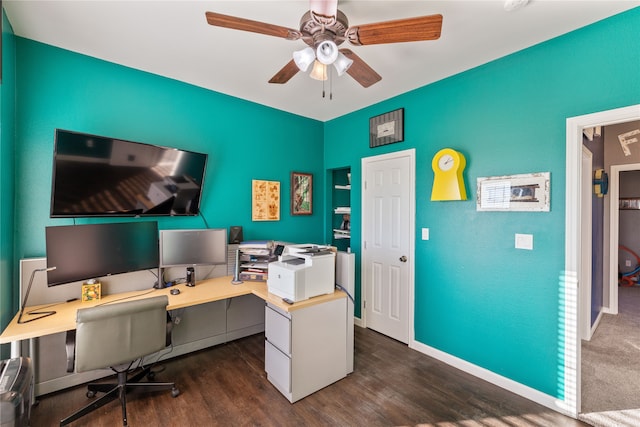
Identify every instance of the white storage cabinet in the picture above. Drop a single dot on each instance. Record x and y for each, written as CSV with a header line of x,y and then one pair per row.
x,y
306,349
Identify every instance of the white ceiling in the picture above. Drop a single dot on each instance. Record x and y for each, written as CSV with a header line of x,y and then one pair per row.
x,y
173,39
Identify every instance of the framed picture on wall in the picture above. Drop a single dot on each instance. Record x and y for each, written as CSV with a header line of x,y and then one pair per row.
x,y
522,192
301,193
386,128
265,200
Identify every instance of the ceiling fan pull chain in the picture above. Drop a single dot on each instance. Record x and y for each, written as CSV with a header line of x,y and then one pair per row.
x,y
324,78
330,85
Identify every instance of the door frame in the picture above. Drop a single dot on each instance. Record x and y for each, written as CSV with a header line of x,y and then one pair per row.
x,y
586,251
570,343
614,231
411,153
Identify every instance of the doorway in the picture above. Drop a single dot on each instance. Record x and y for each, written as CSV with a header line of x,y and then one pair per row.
x,y
614,231
388,218
572,279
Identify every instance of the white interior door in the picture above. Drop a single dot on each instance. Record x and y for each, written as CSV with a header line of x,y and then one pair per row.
x,y
388,214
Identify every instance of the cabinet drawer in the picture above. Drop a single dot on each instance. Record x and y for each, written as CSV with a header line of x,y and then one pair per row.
x,y
278,367
278,330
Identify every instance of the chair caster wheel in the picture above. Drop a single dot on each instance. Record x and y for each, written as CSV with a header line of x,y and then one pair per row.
x,y
175,392
91,394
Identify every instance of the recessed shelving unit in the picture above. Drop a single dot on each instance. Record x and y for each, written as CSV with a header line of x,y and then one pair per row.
x,y
341,208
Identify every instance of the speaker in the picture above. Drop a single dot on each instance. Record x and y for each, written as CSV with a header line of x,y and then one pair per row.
x,y
235,234
191,276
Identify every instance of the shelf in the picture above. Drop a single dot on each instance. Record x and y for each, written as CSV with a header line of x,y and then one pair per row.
x,y
629,203
340,216
254,260
341,234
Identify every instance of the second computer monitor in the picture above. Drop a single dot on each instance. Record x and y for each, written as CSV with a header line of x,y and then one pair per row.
x,y
193,247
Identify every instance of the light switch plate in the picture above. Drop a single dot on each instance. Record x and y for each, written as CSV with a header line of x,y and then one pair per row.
x,y
425,234
524,241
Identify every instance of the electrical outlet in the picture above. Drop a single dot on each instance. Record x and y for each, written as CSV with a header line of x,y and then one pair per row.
x,y
524,241
627,263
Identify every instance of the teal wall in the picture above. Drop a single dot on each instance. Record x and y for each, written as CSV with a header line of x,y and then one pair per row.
x,y
7,132
476,297
245,141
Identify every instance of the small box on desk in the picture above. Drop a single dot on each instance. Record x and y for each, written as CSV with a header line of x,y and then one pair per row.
x,y
91,291
253,276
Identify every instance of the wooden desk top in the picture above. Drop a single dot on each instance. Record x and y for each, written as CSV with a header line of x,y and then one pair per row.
x,y
205,291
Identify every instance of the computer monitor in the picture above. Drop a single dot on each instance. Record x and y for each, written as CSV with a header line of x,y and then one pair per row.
x,y
91,251
193,247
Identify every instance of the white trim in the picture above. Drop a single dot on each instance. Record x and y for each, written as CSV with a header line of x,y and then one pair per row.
x,y
574,127
586,243
489,376
597,322
411,153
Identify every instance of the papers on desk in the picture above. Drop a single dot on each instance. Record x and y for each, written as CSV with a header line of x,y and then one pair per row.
x,y
256,244
255,265
257,252
256,247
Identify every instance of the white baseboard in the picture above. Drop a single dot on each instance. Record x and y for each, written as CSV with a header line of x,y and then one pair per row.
x,y
596,323
496,379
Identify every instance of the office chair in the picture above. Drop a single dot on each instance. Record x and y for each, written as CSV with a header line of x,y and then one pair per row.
x,y
115,336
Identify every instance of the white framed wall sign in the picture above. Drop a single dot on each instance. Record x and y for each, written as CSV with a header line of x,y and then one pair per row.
x,y
523,192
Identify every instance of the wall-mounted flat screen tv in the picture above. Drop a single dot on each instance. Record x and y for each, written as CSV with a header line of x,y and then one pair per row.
x,y
101,176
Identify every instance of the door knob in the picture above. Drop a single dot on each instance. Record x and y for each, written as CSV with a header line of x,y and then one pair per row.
x,y
403,258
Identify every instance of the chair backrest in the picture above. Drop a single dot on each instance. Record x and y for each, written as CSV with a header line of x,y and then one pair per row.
x,y
113,334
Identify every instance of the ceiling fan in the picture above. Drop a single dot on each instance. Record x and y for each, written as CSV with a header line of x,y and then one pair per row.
x,y
323,28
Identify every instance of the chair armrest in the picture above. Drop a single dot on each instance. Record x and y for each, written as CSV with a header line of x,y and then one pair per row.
x,y
169,329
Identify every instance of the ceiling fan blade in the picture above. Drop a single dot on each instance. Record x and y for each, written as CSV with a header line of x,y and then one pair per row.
x,y
235,23
285,74
360,70
397,31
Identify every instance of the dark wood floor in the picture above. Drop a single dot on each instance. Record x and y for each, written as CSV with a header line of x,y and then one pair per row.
x,y
392,385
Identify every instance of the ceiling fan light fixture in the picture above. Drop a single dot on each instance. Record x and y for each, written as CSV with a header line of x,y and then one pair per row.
x,y
319,71
304,58
327,52
342,64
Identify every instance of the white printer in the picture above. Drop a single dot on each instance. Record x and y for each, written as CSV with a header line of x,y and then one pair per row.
x,y
302,272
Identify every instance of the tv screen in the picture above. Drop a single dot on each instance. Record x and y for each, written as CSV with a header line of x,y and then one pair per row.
x,y
193,247
90,251
101,176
